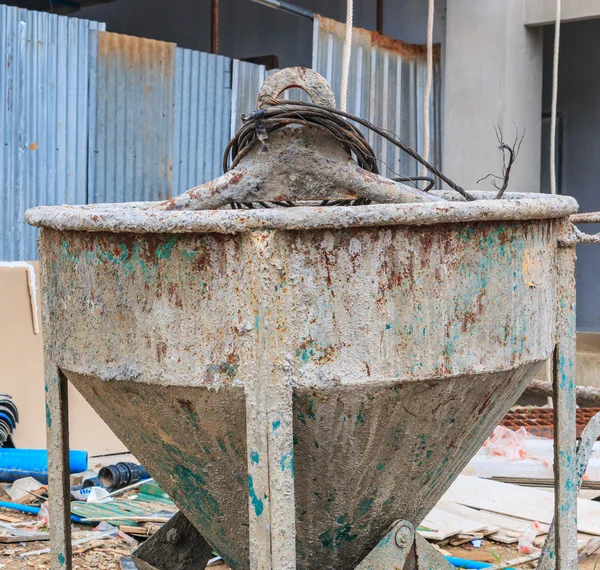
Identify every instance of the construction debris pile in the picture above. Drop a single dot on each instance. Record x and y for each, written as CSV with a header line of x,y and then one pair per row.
x,y
114,507
481,522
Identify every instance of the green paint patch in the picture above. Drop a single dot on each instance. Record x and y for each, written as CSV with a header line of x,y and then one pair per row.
x,y
380,467
48,416
254,457
165,250
221,445
389,502
287,462
276,425
227,368
365,506
257,503
308,413
466,234
333,539
61,559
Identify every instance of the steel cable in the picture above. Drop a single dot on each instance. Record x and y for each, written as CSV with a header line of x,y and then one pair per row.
x,y
280,113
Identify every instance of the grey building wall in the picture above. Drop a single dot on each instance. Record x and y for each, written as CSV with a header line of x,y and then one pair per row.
x,y
248,29
579,107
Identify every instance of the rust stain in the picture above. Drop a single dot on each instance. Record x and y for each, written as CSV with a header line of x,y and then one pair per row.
x,y
379,40
33,146
136,52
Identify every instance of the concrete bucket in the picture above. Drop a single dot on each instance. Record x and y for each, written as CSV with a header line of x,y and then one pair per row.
x,y
299,378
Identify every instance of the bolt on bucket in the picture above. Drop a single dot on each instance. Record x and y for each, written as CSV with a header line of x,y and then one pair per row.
x,y
299,378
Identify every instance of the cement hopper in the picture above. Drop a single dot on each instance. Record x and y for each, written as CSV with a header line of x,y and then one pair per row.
x,y
299,378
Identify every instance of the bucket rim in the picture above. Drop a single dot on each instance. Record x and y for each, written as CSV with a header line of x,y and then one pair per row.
x,y
140,217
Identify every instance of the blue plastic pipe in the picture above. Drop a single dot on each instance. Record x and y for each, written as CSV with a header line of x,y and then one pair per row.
x,y
18,463
471,564
33,510
19,507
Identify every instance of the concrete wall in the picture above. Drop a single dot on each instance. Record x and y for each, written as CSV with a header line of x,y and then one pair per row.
x,y
248,29
492,78
579,105
541,12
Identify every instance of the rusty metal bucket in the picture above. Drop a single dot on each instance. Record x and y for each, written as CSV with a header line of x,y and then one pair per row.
x,y
297,379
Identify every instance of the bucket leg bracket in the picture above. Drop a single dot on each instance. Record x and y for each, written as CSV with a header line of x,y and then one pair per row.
x,y
176,546
402,549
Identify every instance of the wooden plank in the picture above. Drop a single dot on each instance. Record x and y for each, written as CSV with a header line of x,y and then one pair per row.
x,y
510,525
10,534
448,524
520,502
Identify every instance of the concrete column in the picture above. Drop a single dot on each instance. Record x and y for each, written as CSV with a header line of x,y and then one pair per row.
x,y
541,12
493,76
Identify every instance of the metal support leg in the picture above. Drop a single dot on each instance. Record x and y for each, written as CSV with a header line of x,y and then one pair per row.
x,y
564,379
57,424
269,420
589,436
271,479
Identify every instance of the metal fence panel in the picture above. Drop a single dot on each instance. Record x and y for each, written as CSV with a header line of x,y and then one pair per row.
x,y
246,81
202,117
386,86
131,140
43,119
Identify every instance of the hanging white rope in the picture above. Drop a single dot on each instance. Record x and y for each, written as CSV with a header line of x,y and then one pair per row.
x,y
553,112
554,99
347,55
428,84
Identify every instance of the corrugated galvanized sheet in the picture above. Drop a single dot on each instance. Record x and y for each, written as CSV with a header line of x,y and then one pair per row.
x,y
202,117
43,119
247,79
131,119
387,87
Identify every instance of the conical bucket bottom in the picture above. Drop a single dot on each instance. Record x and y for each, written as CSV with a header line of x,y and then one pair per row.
x,y
364,456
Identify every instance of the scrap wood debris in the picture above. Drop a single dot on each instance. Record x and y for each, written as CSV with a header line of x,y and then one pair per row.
x,y
104,530
479,520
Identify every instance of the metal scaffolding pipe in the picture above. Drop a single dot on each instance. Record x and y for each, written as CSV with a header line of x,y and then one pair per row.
x,y
287,7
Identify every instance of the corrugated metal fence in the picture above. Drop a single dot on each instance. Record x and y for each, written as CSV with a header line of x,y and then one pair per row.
x,y
387,87
43,119
131,119
91,116
202,117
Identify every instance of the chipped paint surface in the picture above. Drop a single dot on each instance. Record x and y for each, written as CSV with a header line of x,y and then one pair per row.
x,y
400,348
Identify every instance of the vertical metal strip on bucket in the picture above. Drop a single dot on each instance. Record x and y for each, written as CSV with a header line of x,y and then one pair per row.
x,y
271,497
565,439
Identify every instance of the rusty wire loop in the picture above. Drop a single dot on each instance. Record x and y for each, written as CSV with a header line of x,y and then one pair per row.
x,y
279,113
